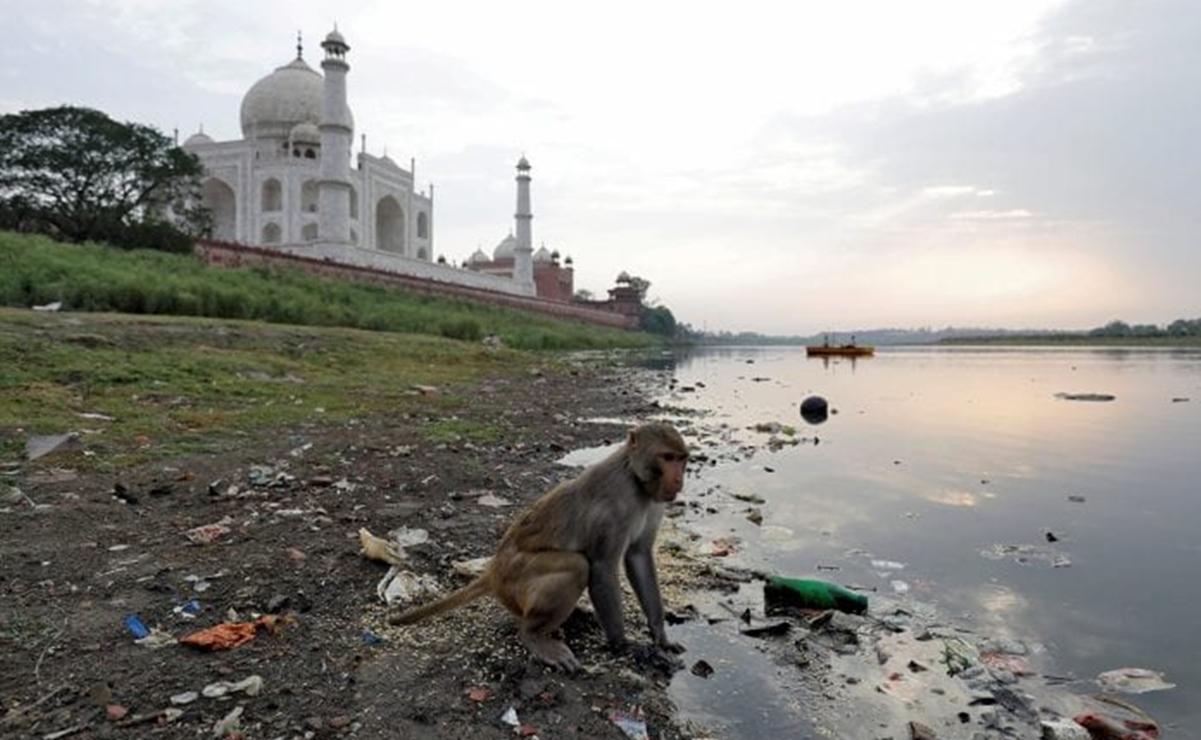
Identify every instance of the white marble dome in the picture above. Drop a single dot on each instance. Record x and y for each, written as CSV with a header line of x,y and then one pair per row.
x,y
542,255
305,132
275,104
198,138
506,249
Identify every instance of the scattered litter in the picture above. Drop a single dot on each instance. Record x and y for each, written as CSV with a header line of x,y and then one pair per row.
x,y
1025,554
1133,680
208,533
493,501
187,610
479,694
780,594
959,655
95,417
135,626
251,686
721,547
229,724
510,717
1062,729
268,477
186,697
157,638
402,587
52,306
42,445
370,638
632,725
900,587
406,537
768,630
1106,728
887,565
1076,499
1085,396
228,635
702,668
377,548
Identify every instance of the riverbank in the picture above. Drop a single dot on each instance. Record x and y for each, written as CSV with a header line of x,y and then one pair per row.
x,y
230,479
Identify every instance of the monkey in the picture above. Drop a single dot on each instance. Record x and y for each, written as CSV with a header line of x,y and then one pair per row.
x,y
574,538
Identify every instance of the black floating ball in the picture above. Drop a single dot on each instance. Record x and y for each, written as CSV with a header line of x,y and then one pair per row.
x,y
814,409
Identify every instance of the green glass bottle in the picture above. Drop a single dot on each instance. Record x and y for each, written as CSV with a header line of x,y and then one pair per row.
x,y
807,593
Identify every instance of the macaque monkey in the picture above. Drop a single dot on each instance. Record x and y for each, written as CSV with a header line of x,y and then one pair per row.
x,y
575,538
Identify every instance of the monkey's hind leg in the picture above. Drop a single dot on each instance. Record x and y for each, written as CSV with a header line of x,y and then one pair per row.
x,y
549,595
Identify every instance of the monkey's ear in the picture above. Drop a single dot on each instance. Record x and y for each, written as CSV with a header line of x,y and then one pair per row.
x,y
632,437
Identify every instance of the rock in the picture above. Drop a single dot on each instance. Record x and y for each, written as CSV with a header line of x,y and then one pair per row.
x,y
918,731
1063,729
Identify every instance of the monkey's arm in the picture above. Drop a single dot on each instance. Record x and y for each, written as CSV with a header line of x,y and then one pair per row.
x,y
640,569
605,592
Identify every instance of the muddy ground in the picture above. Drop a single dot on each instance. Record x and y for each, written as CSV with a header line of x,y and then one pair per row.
x,y
82,552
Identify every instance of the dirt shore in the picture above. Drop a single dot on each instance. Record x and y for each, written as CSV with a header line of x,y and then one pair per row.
x,y
264,533
82,552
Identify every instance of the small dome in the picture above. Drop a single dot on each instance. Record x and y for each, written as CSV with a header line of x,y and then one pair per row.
x,y
334,37
569,261
542,255
305,132
523,163
477,257
288,96
624,277
506,248
198,139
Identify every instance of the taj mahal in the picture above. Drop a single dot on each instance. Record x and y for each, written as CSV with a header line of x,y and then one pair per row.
x,y
288,185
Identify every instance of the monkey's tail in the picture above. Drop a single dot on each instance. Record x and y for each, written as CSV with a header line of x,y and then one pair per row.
x,y
467,594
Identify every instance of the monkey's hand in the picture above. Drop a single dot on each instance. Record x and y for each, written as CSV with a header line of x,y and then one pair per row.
x,y
668,646
657,658
660,637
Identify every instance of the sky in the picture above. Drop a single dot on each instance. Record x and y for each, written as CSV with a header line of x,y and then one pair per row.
x,y
785,167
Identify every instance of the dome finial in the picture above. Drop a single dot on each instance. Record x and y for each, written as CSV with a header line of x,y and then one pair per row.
x,y
299,46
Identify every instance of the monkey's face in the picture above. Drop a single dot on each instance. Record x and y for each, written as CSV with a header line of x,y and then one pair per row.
x,y
671,474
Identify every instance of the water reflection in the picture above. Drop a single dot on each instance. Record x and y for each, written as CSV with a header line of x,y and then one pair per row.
x,y
937,458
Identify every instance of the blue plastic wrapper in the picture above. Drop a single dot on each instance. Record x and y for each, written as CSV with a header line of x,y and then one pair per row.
x,y
135,626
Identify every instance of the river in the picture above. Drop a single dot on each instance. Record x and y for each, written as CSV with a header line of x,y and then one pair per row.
x,y
962,481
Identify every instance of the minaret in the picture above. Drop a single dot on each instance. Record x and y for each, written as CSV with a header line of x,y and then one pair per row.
x,y
337,134
523,253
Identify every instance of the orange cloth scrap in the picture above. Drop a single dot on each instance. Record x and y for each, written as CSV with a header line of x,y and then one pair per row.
x,y
229,635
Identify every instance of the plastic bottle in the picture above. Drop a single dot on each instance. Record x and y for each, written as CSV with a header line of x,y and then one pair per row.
x,y
808,593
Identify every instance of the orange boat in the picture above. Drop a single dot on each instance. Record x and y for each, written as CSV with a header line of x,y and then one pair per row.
x,y
839,350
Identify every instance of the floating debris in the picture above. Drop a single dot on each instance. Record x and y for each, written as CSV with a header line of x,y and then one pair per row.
x,y
1133,680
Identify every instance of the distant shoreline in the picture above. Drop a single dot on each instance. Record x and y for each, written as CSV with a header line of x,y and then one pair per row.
x,y
1078,340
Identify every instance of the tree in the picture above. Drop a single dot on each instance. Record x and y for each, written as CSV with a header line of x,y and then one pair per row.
x,y
657,320
642,285
583,294
76,174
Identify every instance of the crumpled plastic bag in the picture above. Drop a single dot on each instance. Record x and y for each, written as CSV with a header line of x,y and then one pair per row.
x,y
228,635
403,587
377,548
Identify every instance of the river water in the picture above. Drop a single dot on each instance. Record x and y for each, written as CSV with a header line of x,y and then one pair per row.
x,y
957,479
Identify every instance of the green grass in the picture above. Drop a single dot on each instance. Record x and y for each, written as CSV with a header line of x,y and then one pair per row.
x,y
35,271
149,387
